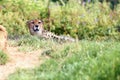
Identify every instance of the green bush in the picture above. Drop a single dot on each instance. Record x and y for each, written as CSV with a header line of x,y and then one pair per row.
x,y
14,14
94,21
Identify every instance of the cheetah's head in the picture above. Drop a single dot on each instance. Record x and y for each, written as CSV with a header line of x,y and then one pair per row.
x,y
35,26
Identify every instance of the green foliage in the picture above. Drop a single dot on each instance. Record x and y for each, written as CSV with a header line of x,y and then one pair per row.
x,y
94,21
14,14
3,58
85,60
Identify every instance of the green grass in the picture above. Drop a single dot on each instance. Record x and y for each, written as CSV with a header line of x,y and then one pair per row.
x,y
83,60
3,58
29,43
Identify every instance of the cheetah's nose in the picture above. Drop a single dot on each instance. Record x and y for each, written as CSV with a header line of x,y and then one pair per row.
x,y
36,26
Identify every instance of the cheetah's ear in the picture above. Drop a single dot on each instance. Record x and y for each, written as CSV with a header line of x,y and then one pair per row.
x,y
28,22
42,21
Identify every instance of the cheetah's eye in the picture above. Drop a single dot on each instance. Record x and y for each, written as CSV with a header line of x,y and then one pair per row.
x,y
39,22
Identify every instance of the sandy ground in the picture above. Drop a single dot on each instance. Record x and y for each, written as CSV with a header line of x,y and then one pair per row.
x,y
19,60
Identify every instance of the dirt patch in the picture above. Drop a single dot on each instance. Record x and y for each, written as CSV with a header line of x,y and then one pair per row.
x,y
19,60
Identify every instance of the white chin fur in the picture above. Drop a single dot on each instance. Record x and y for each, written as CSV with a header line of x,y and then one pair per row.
x,y
38,33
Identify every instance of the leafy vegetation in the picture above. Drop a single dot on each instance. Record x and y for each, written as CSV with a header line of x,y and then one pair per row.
x,y
94,21
3,57
84,60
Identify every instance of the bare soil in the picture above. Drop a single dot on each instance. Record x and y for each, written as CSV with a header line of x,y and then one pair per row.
x,y
19,60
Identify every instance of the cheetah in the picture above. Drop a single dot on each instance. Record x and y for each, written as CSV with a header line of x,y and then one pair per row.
x,y
36,28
